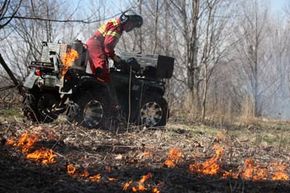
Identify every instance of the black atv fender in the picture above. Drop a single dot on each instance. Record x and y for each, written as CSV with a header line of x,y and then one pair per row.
x,y
88,83
149,89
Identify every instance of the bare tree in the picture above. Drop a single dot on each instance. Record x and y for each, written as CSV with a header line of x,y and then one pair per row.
x,y
8,10
252,32
214,46
38,21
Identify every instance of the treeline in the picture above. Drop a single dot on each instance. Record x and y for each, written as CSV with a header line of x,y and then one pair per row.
x,y
231,56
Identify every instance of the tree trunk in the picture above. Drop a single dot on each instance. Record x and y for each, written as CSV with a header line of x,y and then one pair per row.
x,y
192,52
204,98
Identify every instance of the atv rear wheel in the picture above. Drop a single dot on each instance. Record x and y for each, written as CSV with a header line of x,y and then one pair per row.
x,y
45,105
37,107
153,112
93,109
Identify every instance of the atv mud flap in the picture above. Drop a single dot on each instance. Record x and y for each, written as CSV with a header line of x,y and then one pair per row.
x,y
30,80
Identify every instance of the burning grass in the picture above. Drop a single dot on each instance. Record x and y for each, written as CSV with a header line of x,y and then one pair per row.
x,y
176,159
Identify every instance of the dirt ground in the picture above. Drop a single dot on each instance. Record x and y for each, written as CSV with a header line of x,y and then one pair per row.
x,y
134,159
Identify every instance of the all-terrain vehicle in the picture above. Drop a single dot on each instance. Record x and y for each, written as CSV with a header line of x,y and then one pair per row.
x,y
59,83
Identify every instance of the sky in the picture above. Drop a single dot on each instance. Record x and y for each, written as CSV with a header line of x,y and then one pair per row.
x,y
278,5
115,6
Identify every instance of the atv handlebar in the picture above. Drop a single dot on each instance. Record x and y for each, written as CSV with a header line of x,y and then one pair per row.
x,y
126,65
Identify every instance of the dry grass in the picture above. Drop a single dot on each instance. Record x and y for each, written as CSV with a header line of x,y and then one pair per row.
x,y
140,151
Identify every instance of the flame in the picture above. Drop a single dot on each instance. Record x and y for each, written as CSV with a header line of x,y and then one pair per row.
x,y
141,182
230,174
127,185
155,190
174,156
280,173
10,142
45,156
71,169
95,178
85,174
169,164
145,178
248,169
210,166
140,187
26,142
261,174
253,172
67,59
112,179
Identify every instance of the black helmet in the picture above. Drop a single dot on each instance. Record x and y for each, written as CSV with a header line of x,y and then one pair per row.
x,y
131,16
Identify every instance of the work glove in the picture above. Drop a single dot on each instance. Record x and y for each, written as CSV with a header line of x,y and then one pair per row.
x,y
118,62
132,62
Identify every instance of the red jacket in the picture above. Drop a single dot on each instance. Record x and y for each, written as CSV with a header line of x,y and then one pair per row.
x,y
102,44
110,33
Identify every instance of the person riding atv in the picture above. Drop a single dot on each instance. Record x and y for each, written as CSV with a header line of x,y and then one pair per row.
x,y
102,44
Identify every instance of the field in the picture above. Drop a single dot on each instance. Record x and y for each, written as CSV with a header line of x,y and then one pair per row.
x,y
182,157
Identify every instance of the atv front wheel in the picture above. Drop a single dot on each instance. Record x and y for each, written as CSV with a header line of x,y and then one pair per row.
x,y
153,112
93,109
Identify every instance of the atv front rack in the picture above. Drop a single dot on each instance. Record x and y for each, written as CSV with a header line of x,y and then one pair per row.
x,y
42,65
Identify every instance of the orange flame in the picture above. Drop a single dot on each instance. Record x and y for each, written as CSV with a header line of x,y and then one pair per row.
x,y
85,173
174,156
255,172
140,184
252,172
45,156
261,174
248,169
155,190
71,169
95,178
26,141
127,185
67,59
210,166
112,179
145,177
10,142
140,188
280,174
230,174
